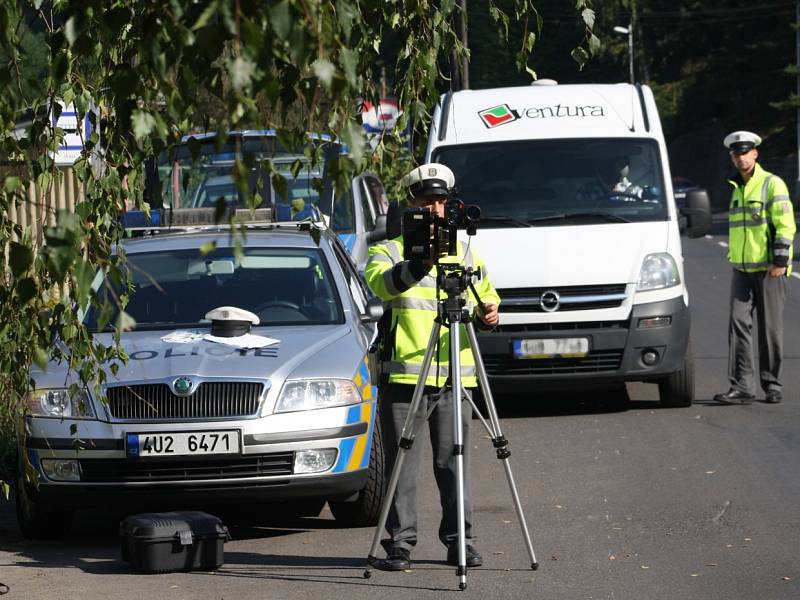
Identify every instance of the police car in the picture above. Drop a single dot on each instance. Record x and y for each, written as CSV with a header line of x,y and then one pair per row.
x,y
284,411
197,174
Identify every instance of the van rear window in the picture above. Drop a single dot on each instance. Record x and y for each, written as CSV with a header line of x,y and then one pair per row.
x,y
543,181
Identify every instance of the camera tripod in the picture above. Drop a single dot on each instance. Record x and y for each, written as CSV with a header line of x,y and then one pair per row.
x,y
454,280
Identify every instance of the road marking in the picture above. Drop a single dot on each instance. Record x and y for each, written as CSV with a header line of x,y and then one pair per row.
x,y
796,275
723,244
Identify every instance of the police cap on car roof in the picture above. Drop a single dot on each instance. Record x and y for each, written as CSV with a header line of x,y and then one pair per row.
x,y
431,179
741,141
230,321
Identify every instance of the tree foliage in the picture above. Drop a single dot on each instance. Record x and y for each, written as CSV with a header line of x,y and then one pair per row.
x,y
147,73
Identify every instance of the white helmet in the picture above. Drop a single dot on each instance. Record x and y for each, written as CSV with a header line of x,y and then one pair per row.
x,y
431,179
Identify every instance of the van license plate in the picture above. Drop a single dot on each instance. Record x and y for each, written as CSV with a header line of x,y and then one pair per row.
x,y
549,348
185,443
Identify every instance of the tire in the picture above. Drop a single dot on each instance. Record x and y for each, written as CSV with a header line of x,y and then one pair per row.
x,y
677,389
365,510
38,520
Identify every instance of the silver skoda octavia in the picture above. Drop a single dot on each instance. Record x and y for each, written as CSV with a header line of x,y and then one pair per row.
x,y
189,419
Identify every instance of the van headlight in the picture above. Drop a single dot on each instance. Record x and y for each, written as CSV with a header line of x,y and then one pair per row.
x,y
316,393
60,403
658,271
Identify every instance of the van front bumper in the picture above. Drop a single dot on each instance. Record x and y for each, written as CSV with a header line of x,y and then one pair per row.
x,y
617,349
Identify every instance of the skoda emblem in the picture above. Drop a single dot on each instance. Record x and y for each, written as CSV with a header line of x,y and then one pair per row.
x,y
549,301
182,386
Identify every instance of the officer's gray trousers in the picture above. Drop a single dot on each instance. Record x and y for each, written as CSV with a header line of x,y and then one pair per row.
x,y
401,524
765,296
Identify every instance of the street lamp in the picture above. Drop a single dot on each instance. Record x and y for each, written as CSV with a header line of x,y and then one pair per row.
x,y
629,32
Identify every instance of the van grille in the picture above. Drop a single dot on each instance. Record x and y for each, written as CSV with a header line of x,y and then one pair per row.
x,y
211,399
571,298
596,361
97,470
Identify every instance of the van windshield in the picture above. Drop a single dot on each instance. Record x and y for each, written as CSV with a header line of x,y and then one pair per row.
x,y
559,182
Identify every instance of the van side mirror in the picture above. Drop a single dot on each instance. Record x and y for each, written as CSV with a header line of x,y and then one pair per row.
x,y
698,213
378,233
374,311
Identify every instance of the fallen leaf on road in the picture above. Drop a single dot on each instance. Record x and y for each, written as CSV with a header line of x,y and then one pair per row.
x,y
710,472
498,552
748,539
506,521
712,565
786,578
645,567
612,557
553,558
559,506
695,574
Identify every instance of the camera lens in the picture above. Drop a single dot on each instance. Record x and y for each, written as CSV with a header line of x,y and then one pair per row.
x,y
473,213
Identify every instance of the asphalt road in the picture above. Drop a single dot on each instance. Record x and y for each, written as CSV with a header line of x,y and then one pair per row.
x,y
622,501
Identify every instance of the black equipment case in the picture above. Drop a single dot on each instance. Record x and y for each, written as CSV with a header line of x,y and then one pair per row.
x,y
173,541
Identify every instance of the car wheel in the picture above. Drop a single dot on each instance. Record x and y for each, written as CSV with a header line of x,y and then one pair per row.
x,y
677,389
366,508
37,520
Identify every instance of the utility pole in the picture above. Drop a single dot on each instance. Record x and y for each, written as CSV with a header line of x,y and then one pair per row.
x,y
465,42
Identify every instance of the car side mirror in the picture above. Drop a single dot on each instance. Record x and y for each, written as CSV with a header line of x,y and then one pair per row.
x,y
378,233
374,311
698,213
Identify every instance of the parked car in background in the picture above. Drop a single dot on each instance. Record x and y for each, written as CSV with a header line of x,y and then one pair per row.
x,y
191,420
680,187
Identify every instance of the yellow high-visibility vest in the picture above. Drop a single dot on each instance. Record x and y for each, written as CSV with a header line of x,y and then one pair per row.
x,y
761,224
413,305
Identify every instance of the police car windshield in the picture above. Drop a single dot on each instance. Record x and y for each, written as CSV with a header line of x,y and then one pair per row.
x,y
205,178
176,288
532,180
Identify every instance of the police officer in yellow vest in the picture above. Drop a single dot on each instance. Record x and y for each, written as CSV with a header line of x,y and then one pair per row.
x,y
761,229
408,289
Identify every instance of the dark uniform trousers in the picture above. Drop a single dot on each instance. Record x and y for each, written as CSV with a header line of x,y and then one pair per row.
x,y
756,292
401,524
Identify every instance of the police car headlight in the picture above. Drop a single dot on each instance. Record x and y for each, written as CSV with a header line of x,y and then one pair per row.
x,y
658,271
60,403
316,393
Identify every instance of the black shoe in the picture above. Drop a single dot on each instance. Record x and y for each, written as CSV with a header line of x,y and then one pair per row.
x,y
474,558
734,396
773,397
397,559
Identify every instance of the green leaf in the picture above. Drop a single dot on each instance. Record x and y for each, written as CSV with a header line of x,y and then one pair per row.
x,y
12,184
349,62
205,16
143,123
20,258
281,19
41,357
125,322
26,290
325,70
208,247
6,489
241,72
588,17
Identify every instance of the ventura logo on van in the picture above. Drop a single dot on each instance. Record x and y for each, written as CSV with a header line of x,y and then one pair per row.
x,y
498,115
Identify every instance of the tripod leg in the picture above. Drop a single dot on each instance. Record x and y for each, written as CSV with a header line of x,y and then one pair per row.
x,y
406,441
498,439
458,448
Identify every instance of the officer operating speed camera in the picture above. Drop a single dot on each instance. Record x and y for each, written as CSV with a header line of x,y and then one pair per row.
x,y
409,291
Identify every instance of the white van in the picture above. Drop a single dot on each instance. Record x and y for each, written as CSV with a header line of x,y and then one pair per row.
x,y
579,232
